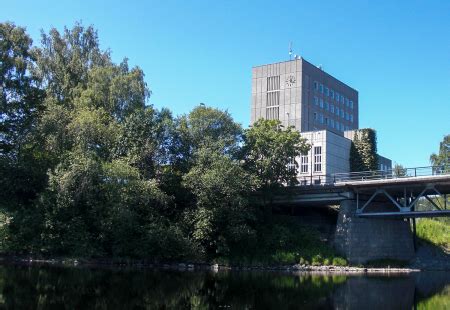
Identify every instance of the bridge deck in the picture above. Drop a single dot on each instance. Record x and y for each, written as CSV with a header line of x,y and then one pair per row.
x,y
398,195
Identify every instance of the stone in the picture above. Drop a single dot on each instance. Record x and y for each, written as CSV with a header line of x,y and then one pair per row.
x,y
361,240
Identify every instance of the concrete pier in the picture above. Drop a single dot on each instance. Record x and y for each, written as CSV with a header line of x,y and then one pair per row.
x,y
361,240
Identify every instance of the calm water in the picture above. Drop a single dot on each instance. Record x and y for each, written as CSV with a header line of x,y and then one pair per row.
x,y
37,287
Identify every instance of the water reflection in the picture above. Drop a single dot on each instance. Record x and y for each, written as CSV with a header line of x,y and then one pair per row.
x,y
39,287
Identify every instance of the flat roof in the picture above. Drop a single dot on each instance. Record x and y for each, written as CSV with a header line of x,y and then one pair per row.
x,y
303,59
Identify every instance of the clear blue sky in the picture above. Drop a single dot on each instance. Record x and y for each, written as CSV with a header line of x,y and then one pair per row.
x,y
397,55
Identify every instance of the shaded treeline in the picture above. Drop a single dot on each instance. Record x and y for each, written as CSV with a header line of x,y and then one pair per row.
x,y
88,167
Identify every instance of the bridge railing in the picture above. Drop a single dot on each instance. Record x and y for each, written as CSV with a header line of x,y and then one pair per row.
x,y
322,179
391,174
330,179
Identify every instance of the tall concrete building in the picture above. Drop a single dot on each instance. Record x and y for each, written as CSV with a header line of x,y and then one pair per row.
x,y
324,110
302,95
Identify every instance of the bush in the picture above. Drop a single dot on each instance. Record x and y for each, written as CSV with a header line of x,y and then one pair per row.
x,y
317,260
303,261
339,261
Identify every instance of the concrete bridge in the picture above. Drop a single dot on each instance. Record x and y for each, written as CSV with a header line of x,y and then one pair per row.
x,y
377,209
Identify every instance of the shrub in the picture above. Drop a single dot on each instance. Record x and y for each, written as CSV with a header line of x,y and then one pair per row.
x,y
339,261
317,260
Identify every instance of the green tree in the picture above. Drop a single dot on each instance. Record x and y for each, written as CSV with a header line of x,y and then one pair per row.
x,y
398,170
363,151
21,173
268,152
441,160
220,218
203,128
64,60
209,126
20,98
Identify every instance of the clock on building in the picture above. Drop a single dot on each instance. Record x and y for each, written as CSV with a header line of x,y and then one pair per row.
x,y
290,80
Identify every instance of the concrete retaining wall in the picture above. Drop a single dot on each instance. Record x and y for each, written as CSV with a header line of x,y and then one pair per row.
x,y
361,240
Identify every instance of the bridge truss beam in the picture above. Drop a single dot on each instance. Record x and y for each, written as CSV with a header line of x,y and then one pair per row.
x,y
404,200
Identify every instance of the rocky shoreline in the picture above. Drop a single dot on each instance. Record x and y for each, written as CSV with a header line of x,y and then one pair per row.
x,y
185,266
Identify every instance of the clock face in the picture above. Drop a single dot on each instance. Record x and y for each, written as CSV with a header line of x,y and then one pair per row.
x,y
290,80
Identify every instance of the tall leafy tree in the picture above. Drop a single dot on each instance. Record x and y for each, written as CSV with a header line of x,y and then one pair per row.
x,y
221,187
269,151
65,59
20,98
210,127
21,177
441,160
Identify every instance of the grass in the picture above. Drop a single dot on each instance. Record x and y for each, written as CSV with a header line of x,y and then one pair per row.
x,y
437,301
286,242
436,232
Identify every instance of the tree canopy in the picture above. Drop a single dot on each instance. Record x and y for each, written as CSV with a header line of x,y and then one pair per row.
x,y
441,160
90,168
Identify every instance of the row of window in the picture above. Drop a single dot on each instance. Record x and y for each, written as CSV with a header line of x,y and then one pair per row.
x,y
335,110
304,161
318,117
332,94
273,83
272,113
273,98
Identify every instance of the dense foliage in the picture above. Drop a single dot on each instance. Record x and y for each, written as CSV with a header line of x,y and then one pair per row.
x,y
363,151
89,168
441,160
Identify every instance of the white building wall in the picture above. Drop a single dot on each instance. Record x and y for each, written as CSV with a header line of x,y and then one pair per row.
x,y
335,152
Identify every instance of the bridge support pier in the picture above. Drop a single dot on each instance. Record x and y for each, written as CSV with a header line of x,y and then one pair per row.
x,y
361,240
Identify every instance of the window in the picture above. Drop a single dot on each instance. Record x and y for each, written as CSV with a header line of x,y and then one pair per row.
x,y
342,113
347,116
346,102
316,100
351,118
337,111
316,85
272,113
332,123
321,88
342,127
291,164
351,104
337,125
337,96
327,91
304,164
321,103
273,83
332,108
316,116
321,118
317,159
332,94
327,106
342,99
273,98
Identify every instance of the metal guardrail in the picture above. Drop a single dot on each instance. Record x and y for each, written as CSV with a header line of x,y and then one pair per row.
x,y
330,179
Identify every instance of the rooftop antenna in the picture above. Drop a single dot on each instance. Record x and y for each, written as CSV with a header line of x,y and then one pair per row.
x,y
290,50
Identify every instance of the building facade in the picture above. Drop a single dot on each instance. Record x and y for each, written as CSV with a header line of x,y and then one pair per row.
x,y
302,95
324,110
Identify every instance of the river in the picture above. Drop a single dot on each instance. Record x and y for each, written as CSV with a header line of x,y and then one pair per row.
x,y
50,287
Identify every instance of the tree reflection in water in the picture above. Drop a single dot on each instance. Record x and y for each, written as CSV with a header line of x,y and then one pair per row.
x,y
44,287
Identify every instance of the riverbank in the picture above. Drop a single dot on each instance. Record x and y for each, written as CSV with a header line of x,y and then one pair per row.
x,y
188,266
